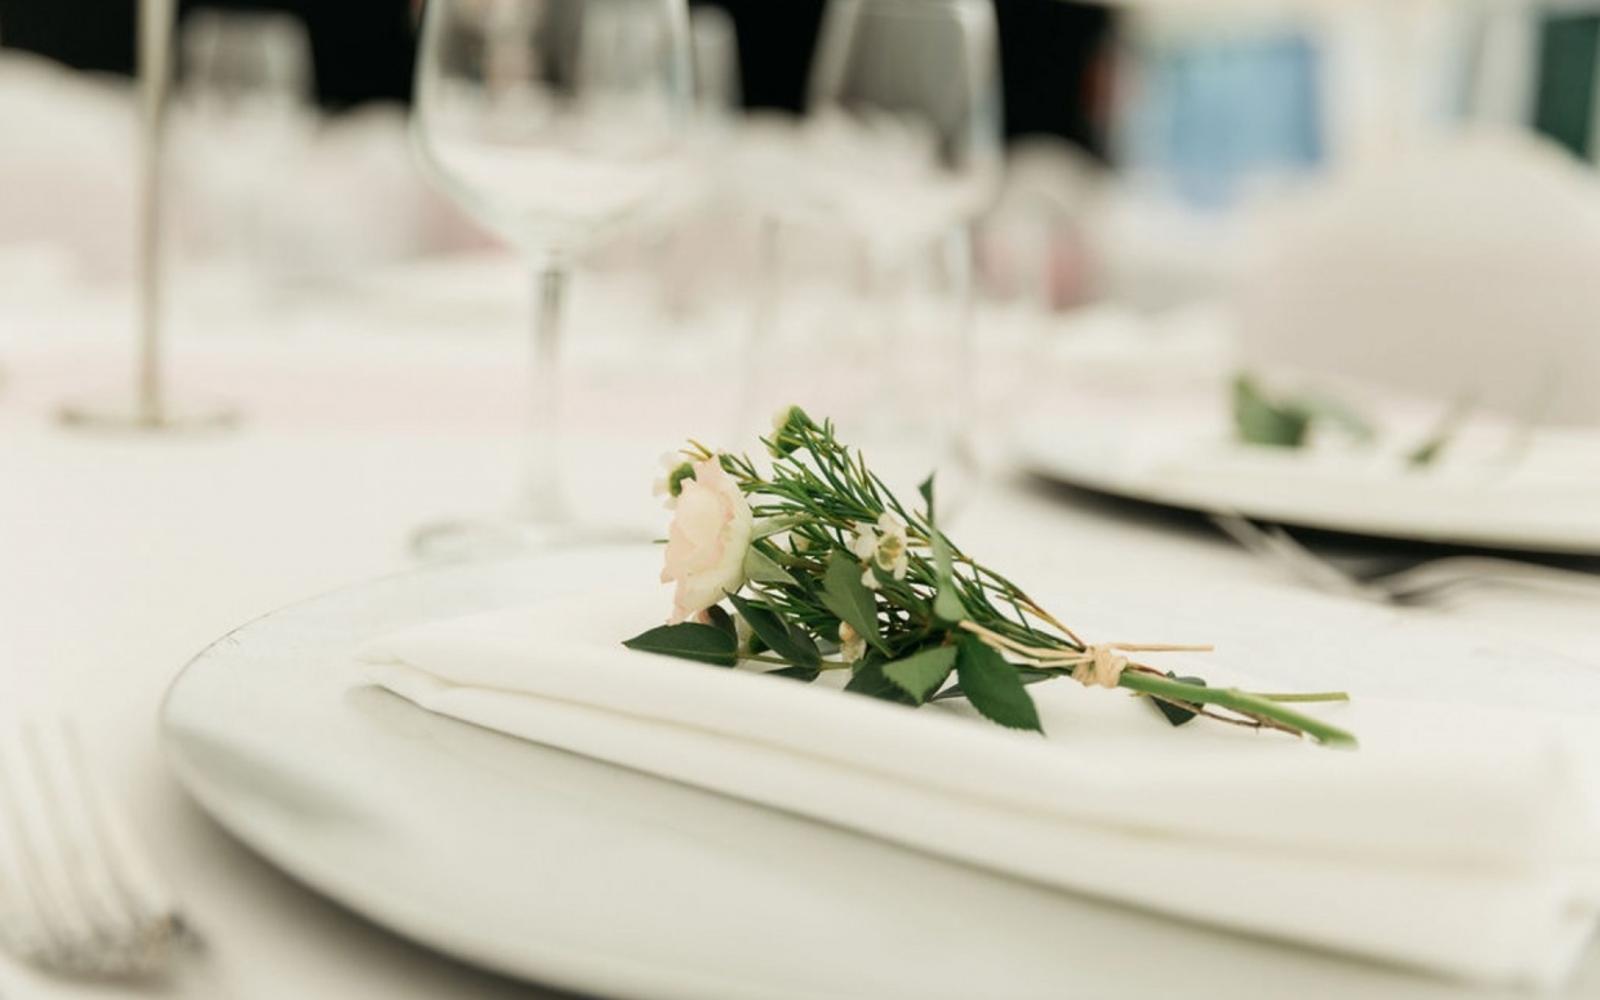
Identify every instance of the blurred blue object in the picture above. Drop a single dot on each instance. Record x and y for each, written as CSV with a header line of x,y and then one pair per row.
x,y
1213,116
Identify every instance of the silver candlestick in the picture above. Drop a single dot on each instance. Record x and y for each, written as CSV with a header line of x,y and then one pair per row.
x,y
149,408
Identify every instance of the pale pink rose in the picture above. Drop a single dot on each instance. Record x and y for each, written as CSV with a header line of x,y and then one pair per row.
x,y
707,541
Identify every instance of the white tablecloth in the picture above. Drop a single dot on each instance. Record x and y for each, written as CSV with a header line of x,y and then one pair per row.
x,y
125,556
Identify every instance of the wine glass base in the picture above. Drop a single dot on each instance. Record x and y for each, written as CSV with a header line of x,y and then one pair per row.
x,y
465,539
119,417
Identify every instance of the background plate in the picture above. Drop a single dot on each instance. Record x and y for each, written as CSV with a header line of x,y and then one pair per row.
x,y
1174,463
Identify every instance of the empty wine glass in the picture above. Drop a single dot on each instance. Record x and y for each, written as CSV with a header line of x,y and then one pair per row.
x,y
248,64
247,105
904,151
714,47
905,118
552,122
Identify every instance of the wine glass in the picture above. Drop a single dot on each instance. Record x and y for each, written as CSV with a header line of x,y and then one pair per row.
x,y
905,118
247,99
552,122
904,151
714,48
246,63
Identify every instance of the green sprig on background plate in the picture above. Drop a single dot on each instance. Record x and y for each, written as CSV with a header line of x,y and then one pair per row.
x,y
1286,421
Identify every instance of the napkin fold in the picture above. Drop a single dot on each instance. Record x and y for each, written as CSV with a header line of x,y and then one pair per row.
x,y
1455,841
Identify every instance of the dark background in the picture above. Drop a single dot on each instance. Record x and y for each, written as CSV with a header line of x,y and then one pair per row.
x,y
1050,50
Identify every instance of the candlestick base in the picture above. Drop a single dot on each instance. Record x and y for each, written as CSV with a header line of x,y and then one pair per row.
x,y
129,416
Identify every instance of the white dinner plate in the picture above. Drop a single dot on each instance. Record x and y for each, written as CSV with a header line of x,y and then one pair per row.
x,y
1183,456
577,874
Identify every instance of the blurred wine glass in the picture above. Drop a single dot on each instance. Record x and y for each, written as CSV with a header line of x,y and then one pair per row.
x,y
553,123
254,65
903,149
698,217
714,47
247,101
905,118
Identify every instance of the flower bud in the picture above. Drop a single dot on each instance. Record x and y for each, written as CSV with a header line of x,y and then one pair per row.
x,y
787,426
676,477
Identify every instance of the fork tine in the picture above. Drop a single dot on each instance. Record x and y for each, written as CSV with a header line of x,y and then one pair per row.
x,y
1276,545
87,874
1251,538
132,876
97,906
36,924
1320,571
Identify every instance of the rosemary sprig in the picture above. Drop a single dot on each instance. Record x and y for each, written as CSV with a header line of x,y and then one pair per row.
x,y
836,562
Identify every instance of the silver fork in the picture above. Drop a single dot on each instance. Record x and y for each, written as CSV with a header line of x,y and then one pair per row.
x,y
78,893
1430,581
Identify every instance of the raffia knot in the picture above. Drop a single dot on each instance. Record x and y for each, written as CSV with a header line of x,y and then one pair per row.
x,y
1101,666
1096,665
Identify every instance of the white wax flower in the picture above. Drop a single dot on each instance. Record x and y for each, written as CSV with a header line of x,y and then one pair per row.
x,y
851,646
883,545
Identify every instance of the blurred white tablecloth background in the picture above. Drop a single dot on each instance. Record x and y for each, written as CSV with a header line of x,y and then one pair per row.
x,y
367,416
373,403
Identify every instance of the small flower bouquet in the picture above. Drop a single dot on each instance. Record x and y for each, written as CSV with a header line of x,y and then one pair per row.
x,y
822,568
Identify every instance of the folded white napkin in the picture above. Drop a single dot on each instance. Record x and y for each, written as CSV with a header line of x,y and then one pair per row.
x,y
1456,840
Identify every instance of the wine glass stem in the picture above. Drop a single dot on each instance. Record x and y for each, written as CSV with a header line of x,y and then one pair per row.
x,y
960,374
886,285
761,338
543,500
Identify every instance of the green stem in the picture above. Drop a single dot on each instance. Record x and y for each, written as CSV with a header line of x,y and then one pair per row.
x,y
1239,701
1287,697
825,665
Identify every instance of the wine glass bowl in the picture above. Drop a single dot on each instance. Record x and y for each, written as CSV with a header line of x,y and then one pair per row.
x,y
551,121
904,133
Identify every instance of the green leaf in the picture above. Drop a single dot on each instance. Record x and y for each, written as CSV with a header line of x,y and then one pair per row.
x,y
947,606
721,619
1442,434
766,527
947,602
1340,414
845,595
802,674
1027,675
1178,713
760,568
689,641
1426,453
920,674
992,686
782,638
869,679
1258,420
